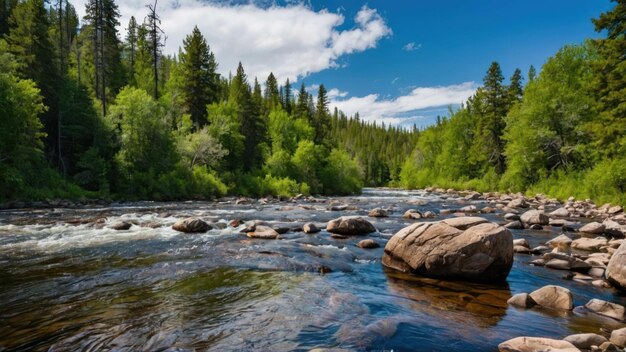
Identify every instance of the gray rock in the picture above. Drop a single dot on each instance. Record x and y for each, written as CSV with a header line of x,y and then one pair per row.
x,y
464,248
521,300
585,341
536,344
618,337
594,228
515,225
561,241
534,217
616,270
560,213
608,309
518,203
350,226
555,297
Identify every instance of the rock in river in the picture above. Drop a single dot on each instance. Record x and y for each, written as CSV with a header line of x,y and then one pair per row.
x,y
350,226
310,227
535,217
191,225
536,344
552,296
585,341
594,228
368,243
608,309
378,213
616,270
264,232
468,248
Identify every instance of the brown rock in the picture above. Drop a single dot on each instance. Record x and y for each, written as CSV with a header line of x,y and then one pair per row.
x,y
368,243
465,248
585,341
310,227
263,232
521,300
350,226
191,225
536,344
608,309
616,270
378,213
534,217
594,228
552,296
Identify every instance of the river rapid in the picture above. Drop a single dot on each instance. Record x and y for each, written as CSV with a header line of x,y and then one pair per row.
x,y
70,282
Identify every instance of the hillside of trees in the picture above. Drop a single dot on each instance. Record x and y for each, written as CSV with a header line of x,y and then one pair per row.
x,y
563,133
86,113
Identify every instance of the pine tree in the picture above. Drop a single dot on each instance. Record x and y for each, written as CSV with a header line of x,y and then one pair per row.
x,y
322,118
302,107
200,80
515,90
251,124
532,73
131,46
6,7
610,85
155,37
287,103
271,93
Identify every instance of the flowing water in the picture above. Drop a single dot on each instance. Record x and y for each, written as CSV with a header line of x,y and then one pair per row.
x,y
69,282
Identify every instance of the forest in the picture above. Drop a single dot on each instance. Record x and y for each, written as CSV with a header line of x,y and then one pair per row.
x,y
86,113
562,133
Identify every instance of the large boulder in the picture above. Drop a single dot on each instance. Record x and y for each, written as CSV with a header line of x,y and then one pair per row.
x,y
191,225
608,309
555,297
616,270
536,344
468,248
535,217
350,226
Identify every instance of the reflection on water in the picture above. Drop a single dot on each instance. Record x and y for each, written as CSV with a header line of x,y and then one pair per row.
x,y
68,284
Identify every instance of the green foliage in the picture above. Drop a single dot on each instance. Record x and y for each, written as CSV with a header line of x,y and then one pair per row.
x,y
341,174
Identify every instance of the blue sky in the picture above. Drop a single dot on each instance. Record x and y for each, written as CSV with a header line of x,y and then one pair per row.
x,y
401,62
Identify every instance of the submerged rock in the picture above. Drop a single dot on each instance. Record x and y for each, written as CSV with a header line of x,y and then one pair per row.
x,y
191,225
121,226
552,296
536,344
350,226
467,248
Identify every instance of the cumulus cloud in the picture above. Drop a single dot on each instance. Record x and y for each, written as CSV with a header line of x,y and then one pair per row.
x,y
291,41
408,107
336,93
411,46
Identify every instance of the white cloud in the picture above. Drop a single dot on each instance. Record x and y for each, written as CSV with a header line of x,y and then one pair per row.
x,y
399,110
411,46
395,80
336,93
292,41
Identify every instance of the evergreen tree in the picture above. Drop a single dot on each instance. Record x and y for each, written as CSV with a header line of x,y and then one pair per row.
x,y
515,89
155,42
200,80
287,103
131,46
302,107
532,73
322,117
610,85
6,8
252,127
271,94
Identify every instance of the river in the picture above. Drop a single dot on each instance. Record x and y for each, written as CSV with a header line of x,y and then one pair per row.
x,y
69,282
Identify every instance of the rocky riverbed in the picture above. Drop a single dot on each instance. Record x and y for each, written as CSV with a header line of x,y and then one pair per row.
x,y
291,274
